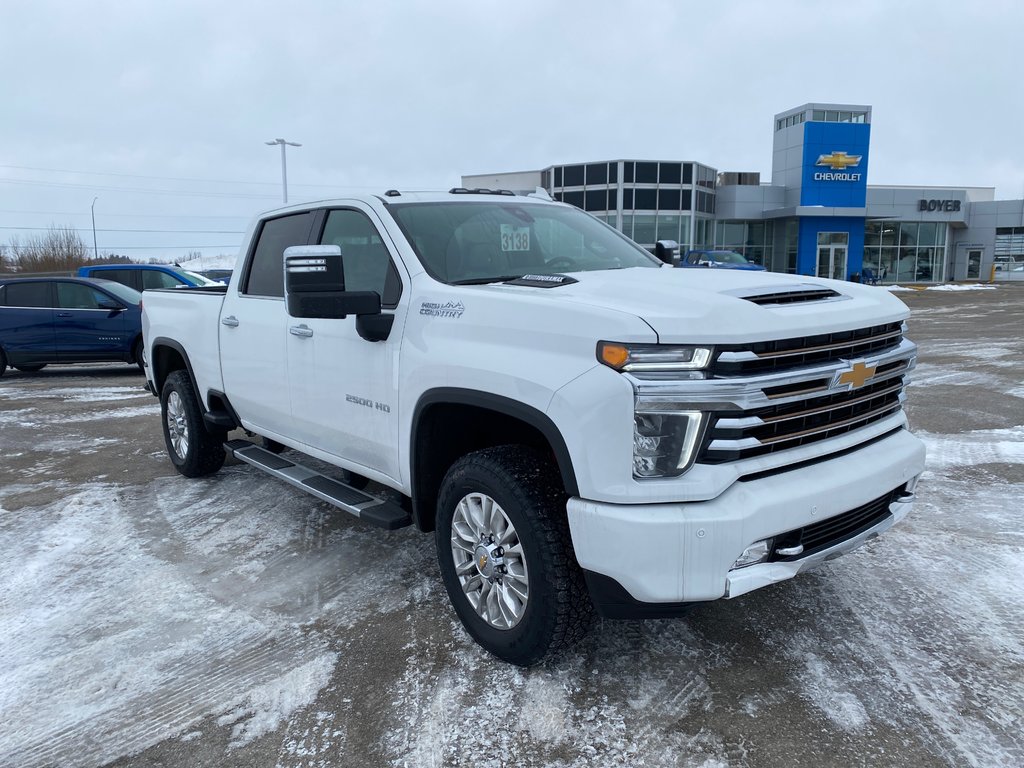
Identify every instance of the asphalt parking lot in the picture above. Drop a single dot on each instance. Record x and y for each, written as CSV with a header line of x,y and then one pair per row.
x,y
151,620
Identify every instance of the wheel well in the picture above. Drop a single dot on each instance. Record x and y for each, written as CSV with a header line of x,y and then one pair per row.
x,y
166,360
443,432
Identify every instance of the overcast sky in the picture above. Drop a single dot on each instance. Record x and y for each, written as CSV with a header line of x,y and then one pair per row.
x,y
161,109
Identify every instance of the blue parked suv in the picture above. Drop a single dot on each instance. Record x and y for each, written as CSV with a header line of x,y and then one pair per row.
x,y
143,276
68,320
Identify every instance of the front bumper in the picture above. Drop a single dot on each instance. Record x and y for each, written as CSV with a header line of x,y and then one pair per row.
x,y
683,552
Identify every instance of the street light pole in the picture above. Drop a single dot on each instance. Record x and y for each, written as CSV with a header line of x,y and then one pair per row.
x,y
92,208
284,163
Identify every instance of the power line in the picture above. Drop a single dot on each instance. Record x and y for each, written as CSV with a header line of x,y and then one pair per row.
x,y
181,178
128,215
147,231
114,248
69,185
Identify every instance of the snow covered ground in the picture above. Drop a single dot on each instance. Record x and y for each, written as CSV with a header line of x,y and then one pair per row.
x,y
152,620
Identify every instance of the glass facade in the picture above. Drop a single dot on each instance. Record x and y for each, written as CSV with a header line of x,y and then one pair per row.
x,y
654,200
1010,242
905,251
837,116
753,239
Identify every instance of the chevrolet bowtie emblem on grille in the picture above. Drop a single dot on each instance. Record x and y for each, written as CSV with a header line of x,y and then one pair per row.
x,y
855,377
839,161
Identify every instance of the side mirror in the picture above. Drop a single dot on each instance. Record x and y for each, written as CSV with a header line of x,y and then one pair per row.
x,y
665,250
314,285
111,305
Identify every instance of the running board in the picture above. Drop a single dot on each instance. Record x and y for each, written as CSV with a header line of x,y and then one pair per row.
x,y
383,514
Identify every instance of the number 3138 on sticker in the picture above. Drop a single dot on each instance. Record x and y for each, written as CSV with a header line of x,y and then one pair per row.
x,y
515,238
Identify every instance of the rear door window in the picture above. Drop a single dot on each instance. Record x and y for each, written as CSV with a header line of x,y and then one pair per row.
x,y
265,274
33,294
129,277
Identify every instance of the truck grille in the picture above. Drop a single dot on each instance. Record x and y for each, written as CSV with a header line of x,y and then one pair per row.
x,y
806,408
777,356
735,435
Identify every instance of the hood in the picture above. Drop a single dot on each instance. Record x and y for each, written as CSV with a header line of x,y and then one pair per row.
x,y
728,306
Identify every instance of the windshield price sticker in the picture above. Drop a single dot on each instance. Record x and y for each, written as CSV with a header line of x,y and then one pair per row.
x,y
515,238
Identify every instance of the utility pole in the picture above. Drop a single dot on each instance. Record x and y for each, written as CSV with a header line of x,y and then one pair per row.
x,y
284,163
95,253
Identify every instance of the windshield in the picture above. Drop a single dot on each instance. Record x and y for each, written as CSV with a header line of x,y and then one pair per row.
x,y
480,242
123,292
194,277
728,257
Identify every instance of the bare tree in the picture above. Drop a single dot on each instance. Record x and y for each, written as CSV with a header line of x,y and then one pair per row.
x,y
58,249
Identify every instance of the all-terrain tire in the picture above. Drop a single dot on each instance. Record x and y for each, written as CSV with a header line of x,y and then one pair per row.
x,y
193,449
526,486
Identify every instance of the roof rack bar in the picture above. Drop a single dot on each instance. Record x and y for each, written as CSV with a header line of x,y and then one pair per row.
x,y
480,191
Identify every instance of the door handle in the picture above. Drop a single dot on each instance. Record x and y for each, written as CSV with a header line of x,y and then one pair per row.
x,y
301,330
230,321
63,314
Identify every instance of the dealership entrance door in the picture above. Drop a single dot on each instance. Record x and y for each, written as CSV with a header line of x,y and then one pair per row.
x,y
832,251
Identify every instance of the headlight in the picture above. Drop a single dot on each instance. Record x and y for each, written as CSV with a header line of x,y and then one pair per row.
x,y
664,441
652,357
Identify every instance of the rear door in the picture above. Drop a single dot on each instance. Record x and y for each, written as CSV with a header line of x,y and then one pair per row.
x,y
26,322
254,325
86,330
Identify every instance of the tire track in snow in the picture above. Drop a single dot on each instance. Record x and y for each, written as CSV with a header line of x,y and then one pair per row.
x,y
108,650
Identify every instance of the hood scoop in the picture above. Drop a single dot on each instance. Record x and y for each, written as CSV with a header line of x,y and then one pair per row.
x,y
773,297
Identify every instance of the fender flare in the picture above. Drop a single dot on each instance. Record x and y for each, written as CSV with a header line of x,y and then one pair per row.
x,y
160,376
500,404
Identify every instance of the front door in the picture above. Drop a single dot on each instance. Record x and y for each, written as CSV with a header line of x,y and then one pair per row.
x,y
344,389
85,329
831,261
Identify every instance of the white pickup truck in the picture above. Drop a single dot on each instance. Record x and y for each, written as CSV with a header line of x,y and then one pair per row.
x,y
578,425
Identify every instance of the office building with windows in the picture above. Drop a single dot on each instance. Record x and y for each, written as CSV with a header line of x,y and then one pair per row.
x,y
816,216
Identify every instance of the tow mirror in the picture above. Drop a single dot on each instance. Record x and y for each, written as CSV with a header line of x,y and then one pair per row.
x,y
314,283
665,250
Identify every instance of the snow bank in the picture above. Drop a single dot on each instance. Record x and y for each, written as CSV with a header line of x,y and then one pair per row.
x,y
957,287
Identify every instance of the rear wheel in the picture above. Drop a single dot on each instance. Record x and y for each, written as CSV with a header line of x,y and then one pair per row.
x,y
30,368
506,555
3,362
194,450
137,354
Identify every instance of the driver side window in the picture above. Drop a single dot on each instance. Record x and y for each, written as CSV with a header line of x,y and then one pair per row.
x,y
365,258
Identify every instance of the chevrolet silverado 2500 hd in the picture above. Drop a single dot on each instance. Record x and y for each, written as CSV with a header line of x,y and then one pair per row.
x,y
579,427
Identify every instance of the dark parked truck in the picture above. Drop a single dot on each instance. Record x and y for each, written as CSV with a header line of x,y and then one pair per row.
x,y
68,320
579,425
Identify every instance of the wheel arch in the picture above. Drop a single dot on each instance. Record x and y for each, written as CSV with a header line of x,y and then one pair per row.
x,y
449,422
166,356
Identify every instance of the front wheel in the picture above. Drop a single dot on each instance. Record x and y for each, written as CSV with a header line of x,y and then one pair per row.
x,y
194,451
506,555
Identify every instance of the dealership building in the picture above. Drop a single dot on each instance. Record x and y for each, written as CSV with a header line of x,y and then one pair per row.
x,y
817,215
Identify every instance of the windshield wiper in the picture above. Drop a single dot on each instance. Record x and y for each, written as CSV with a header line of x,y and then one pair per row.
x,y
485,280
